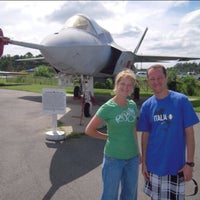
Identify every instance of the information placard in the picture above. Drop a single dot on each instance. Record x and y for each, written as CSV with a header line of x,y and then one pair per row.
x,y
54,101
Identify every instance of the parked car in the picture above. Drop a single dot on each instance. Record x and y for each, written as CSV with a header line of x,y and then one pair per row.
x,y
141,74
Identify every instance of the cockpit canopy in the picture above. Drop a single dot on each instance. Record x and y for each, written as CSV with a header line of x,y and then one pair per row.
x,y
89,25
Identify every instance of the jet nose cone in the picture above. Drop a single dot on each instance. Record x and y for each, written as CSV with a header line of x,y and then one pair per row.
x,y
70,37
75,51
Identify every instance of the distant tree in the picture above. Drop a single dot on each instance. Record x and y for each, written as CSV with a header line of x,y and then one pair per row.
x,y
109,83
6,63
29,55
189,86
187,67
42,71
172,81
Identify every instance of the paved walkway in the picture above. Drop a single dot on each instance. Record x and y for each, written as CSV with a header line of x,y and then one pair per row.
x,y
32,168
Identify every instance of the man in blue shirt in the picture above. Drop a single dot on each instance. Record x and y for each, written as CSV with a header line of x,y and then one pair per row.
x,y
168,144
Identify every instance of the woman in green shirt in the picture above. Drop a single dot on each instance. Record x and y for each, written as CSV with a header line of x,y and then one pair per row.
x,y
121,153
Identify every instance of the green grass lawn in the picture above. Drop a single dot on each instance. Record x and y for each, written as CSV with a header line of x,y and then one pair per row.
x,y
37,88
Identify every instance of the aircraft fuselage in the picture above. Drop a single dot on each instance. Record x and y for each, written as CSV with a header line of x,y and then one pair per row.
x,y
64,52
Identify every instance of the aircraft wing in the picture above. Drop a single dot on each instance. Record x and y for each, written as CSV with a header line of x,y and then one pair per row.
x,y
31,59
12,73
149,58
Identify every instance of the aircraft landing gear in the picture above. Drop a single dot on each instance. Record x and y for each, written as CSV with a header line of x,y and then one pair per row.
x,y
87,99
84,87
87,109
88,95
77,92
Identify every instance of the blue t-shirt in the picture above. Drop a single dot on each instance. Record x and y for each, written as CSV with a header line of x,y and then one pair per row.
x,y
165,120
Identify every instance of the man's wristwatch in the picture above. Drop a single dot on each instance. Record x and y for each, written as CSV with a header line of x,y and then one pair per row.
x,y
191,164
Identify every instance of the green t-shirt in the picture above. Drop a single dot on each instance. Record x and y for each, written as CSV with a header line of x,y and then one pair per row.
x,y
121,142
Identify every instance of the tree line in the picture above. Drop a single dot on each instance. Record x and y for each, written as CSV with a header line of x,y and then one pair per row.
x,y
187,85
10,63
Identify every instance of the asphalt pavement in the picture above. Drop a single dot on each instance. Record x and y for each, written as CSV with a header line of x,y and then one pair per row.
x,y
33,168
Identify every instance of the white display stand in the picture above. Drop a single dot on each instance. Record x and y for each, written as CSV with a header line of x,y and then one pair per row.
x,y
54,102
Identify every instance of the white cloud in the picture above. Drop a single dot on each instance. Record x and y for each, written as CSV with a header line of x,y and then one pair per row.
x,y
173,25
191,19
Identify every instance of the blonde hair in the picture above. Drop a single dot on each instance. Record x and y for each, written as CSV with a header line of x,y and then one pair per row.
x,y
127,73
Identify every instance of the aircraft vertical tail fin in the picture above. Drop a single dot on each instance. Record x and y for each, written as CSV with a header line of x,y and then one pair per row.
x,y
140,42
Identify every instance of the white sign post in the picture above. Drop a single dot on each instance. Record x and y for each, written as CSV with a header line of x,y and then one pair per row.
x,y
54,102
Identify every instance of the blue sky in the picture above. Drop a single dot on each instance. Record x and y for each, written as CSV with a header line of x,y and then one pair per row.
x,y
174,26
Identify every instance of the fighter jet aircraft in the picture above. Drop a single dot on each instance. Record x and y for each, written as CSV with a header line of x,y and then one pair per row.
x,y
83,47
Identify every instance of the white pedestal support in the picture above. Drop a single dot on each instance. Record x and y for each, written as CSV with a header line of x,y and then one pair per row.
x,y
55,135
